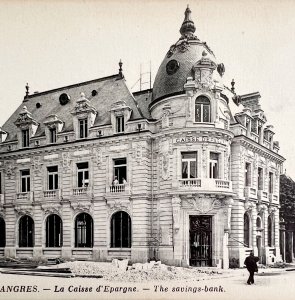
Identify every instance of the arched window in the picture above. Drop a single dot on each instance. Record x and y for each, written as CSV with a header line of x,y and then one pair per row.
x,y
84,231
2,233
26,231
121,230
258,223
202,109
246,230
270,231
53,231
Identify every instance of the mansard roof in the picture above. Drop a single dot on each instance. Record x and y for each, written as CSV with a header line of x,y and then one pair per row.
x,y
108,90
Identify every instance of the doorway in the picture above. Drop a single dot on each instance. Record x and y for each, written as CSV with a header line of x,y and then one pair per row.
x,y
201,241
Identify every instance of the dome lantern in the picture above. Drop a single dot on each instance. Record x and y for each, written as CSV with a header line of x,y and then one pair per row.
x,y
187,28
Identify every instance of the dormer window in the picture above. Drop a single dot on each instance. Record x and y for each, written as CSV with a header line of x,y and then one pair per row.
x,y
83,128
120,115
84,115
27,127
120,124
202,109
53,125
25,138
52,137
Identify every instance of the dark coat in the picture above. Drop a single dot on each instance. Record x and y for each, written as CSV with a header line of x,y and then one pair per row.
x,y
251,263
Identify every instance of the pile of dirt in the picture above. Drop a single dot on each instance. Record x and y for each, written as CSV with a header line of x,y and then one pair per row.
x,y
139,272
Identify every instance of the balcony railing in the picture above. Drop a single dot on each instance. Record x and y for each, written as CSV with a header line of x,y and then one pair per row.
x,y
273,198
205,184
24,197
52,194
119,188
250,192
190,182
262,195
80,191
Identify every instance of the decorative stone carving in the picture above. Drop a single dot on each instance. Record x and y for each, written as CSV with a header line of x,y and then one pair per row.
x,y
204,158
181,46
272,209
249,205
261,208
203,205
9,170
226,164
98,156
138,153
66,161
165,165
118,205
37,165
24,210
82,207
176,209
50,209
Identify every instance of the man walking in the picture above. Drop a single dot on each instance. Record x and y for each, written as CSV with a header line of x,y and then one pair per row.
x,y
250,263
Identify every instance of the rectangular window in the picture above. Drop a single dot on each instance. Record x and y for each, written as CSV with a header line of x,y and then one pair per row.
x,y
25,181
52,132
247,174
120,124
52,178
270,183
120,170
83,128
260,179
189,165
25,138
82,174
214,165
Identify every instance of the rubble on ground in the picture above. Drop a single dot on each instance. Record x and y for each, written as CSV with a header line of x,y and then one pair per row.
x,y
119,270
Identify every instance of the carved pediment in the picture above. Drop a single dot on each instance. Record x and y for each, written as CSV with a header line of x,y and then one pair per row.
x,y
52,121
83,105
25,119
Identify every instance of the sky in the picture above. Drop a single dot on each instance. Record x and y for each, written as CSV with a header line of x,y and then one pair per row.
x,y
51,44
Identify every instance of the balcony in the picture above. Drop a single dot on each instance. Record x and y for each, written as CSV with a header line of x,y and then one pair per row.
x,y
80,191
206,185
262,195
273,198
119,188
25,198
250,192
52,194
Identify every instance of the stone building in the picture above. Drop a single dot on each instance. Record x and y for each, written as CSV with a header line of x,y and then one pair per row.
x,y
186,172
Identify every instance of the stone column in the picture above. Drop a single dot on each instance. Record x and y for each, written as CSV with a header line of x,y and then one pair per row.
x,y
177,232
289,248
227,225
254,231
283,240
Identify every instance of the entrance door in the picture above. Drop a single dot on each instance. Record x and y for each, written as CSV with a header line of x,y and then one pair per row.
x,y
200,241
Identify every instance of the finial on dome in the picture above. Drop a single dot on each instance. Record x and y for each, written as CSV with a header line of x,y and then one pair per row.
x,y
120,69
187,28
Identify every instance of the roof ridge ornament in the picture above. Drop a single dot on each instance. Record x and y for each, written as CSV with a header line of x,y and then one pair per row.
x,y
187,28
120,69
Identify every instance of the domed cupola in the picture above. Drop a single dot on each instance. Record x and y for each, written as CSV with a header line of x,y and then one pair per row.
x,y
183,60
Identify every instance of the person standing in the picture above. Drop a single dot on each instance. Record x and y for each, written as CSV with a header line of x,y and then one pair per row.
x,y
251,265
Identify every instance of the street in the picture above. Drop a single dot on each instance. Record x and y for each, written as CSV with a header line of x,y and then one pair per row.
x,y
277,285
